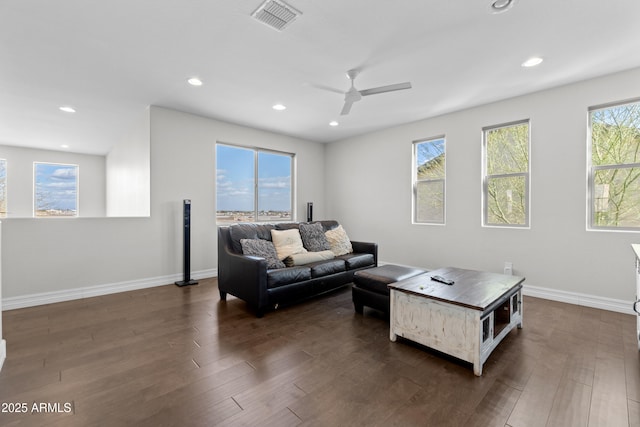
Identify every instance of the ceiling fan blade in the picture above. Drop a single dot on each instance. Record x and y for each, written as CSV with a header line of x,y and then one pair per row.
x,y
327,88
346,108
383,89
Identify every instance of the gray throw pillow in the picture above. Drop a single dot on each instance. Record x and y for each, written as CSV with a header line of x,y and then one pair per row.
x,y
263,249
313,237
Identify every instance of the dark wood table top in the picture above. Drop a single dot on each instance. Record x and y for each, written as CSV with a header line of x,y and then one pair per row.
x,y
471,288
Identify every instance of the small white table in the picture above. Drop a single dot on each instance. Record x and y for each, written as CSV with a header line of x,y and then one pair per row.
x,y
466,320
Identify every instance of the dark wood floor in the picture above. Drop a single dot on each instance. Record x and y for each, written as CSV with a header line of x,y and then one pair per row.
x,y
179,356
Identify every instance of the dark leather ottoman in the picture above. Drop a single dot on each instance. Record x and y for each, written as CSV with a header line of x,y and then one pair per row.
x,y
370,285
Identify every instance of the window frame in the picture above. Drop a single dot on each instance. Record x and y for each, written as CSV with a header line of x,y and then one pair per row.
x,y
416,181
35,189
486,177
591,169
256,194
3,191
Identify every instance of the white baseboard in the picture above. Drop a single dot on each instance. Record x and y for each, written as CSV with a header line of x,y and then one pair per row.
x,y
575,298
32,300
13,303
3,352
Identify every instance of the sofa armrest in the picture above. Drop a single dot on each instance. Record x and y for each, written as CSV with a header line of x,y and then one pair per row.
x,y
240,275
366,248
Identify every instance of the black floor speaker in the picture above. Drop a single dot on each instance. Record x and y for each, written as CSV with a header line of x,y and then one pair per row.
x,y
186,211
309,211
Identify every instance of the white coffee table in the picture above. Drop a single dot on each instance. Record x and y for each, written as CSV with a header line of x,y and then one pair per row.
x,y
466,320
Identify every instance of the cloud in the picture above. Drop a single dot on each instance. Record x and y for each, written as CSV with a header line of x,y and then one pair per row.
x,y
59,184
56,186
68,173
275,182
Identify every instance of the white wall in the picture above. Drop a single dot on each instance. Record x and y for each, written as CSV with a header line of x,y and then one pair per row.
x,y
91,179
363,182
3,343
128,172
44,259
556,252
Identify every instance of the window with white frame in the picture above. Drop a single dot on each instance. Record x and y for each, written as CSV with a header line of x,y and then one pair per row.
x,y
3,188
429,173
55,190
614,166
253,184
506,175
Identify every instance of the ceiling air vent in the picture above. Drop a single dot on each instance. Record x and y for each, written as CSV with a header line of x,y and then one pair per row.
x,y
276,14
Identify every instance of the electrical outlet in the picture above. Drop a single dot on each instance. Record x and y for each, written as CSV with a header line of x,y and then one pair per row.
x,y
508,268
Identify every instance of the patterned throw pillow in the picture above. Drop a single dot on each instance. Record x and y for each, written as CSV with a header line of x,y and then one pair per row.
x,y
264,249
313,237
339,241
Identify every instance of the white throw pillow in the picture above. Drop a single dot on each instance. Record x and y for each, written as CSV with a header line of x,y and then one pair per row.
x,y
287,242
308,258
339,241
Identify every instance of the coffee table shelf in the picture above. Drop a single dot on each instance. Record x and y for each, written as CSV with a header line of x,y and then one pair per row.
x,y
466,320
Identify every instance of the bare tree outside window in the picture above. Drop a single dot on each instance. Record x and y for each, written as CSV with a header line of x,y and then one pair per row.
x,y
614,177
506,175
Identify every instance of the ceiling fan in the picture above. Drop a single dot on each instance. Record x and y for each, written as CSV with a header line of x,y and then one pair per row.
x,y
354,95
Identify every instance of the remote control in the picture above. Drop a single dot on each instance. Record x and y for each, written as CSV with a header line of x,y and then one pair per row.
x,y
442,280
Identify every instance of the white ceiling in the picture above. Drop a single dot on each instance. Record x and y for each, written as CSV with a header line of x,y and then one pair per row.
x,y
110,59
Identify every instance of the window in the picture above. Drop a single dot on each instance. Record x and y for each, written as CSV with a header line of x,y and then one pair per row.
x,y
506,175
253,185
614,166
56,190
429,181
3,188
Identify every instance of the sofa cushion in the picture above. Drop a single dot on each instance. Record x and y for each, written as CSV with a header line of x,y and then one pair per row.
x,y
287,225
329,224
357,260
313,237
376,279
287,242
238,232
339,241
285,276
307,258
324,268
264,249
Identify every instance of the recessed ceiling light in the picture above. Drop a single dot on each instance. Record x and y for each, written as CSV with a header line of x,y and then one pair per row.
x,y
279,107
499,6
333,123
64,146
194,81
532,62
67,109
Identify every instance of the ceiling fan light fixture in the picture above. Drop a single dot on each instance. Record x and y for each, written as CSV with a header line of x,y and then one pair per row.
x,y
352,74
500,6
